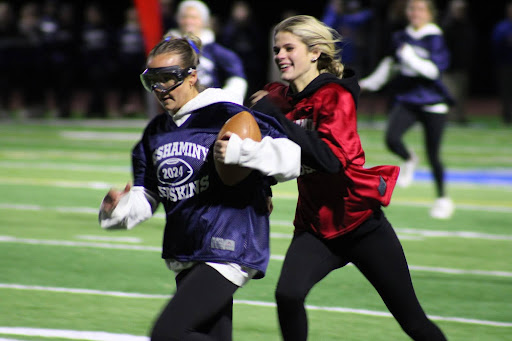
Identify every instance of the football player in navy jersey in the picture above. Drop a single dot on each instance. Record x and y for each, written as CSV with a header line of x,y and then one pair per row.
x,y
338,219
216,236
419,54
220,67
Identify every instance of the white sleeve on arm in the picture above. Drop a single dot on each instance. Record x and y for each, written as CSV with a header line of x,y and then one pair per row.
x,y
424,67
238,86
278,157
378,78
133,208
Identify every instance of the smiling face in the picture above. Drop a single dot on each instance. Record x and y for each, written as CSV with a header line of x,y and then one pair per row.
x,y
173,100
294,60
418,13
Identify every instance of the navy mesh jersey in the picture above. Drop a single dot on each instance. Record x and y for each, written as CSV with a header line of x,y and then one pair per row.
x,y
205,219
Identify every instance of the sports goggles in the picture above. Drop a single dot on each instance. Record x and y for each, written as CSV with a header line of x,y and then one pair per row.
x,y
164,79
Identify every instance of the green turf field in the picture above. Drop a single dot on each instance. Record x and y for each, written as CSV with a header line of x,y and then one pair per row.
x,y
63,278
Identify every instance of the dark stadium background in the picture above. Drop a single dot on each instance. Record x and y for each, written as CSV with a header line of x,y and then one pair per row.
x,y
484,15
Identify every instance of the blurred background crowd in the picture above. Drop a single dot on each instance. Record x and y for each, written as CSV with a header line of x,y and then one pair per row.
x,y
62,58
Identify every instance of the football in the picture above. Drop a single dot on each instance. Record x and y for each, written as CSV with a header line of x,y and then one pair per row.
x,y
244,125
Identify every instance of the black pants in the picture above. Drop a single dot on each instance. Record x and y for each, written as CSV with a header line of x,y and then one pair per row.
x,y
376,251
201,309
401,119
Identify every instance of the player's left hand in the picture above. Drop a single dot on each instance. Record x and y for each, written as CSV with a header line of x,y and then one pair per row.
x,y
112,198
219,149
257,96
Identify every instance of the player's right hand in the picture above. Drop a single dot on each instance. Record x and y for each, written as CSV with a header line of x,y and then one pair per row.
x,y
257,96
112,198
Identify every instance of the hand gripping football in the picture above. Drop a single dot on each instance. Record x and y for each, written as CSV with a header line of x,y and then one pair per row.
x,y
244,125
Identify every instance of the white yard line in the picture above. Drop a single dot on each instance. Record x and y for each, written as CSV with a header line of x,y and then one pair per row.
x,y
245,302
70,334
100,136
414,232
66,166
406,232
110,239
106,186
115,246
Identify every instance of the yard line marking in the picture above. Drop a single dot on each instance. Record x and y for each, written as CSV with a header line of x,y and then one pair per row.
x,y
276,235
405,231
106,186
459,206
63,154
458,234
64,183
72,334
246,302
460,271
419,232
98,136
285,223
81,291
10,239
66,166
110,239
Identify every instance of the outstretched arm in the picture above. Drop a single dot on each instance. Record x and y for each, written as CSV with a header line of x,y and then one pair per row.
x,y
127,208
379,77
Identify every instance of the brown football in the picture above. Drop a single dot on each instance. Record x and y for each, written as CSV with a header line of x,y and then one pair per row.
x,y
244,125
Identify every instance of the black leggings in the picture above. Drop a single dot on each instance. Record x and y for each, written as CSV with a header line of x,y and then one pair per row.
x,y
376,251
201,309
401,118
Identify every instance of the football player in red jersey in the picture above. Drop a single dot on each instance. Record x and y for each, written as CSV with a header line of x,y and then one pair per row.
x,y
338,218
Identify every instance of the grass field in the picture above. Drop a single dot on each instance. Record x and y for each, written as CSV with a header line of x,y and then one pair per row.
x,y
63,278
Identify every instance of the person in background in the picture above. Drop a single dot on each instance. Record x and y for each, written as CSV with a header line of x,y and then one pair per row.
x,y
459,33
131,56
48,27
243,34
214,233
168,16
501,40
352,22
220,67
396,18
62,66
338,219
97,60
29,44
420,55
8,42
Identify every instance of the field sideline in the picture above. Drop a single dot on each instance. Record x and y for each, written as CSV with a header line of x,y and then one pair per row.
x,y
63,278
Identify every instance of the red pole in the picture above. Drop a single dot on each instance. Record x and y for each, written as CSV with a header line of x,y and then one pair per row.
x,y
151,24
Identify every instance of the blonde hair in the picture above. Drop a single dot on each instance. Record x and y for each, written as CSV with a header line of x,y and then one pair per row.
x,y
187,47
317,36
